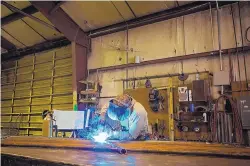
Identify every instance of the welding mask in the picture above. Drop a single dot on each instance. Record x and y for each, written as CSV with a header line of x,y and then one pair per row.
x,y
116,112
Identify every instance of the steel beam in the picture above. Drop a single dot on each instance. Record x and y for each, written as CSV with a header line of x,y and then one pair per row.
x,y
79,69
35,49
191,8
62,22
169,59
16,16
28,15
58,5
7,45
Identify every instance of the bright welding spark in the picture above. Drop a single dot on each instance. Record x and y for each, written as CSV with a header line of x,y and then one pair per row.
x,y
101,137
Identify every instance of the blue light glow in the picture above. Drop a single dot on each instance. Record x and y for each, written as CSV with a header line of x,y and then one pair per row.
x,y
115,133
101,137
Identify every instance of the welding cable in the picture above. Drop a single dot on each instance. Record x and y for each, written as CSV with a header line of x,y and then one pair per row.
x,y
237,125
247,34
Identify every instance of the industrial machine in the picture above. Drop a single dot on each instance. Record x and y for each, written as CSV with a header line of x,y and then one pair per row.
x,y
244,109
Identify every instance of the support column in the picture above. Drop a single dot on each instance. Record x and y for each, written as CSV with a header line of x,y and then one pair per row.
x,y
79,70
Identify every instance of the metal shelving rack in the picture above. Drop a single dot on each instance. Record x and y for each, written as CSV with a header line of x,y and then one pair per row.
x,y
88,93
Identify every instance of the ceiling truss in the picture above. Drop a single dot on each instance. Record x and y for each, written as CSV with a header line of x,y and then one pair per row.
x,y
73,32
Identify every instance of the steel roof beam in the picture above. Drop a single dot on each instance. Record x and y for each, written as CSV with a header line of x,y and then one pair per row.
x,y
7,45
183,10
58,5
62,22
16,15
28,15
35,48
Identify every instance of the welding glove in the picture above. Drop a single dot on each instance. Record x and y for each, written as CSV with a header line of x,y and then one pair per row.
x,y
124,135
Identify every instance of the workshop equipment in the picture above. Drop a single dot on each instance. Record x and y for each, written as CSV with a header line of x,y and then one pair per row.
x,y
197,129
221,78
183,93
244,110
90,95
190,96
148,84
87,118
204,117
59,121
162,127
218,123
47,127
155,100
183,77
200,90
185,128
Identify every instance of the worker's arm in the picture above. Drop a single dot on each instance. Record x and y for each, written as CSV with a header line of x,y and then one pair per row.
x,y
103,111
137,124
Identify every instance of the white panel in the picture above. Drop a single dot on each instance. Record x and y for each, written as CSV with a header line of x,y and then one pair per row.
x,y
66,120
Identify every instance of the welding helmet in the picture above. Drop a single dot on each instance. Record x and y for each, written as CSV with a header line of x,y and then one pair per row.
x,y
116,112
119,108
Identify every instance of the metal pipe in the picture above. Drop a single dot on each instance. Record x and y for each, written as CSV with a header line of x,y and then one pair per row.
x,y
218,126
28,15
114,147
230,128
222,127
244,58
219,40
226,128
211,23
119,149
219,34
158,76
165,60
127,58
236,44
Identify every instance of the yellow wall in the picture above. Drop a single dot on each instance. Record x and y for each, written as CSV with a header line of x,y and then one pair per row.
x,y
190,34
35,83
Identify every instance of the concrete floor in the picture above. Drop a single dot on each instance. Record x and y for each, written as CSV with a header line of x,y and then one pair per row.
x,y
80,157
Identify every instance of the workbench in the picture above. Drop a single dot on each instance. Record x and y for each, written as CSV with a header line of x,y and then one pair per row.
x,y
63,151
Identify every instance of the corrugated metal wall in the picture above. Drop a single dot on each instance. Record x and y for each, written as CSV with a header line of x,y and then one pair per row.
x,y
35,83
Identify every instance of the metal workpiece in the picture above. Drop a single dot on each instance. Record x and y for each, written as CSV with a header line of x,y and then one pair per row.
x,y
86,146
116,148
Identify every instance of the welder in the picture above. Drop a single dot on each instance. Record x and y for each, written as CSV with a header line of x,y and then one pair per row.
x,y
126,118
